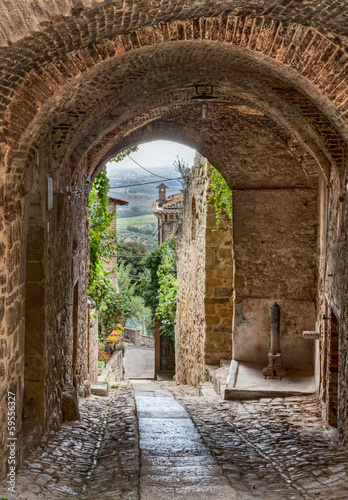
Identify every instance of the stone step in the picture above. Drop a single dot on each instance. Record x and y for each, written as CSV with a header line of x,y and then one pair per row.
x,y
207,390
217,375
100,388
225,363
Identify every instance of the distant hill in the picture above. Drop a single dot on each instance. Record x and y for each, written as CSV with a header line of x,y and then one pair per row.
x,y
143,194
136,222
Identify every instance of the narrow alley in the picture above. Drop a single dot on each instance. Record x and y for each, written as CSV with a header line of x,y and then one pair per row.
x,y
225,270
152,440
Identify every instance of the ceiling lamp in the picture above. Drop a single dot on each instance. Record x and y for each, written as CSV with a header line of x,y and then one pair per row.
x,y
204,94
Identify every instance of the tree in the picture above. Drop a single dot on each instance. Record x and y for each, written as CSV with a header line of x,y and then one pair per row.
x,y
159,291
102,241
184,170
132,254
167,275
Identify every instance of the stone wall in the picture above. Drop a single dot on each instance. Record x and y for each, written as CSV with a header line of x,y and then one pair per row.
x,y
218,304
134,336
205,276
113,370
275,253
45,318
93,346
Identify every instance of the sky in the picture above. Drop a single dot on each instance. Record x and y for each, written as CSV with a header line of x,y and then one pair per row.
x,y
159,153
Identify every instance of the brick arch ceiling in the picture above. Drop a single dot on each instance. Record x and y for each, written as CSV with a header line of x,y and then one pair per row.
x,y
310,67
243,145
144,84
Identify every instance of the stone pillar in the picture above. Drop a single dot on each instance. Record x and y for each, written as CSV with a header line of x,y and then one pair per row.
x,y
218,304
274,368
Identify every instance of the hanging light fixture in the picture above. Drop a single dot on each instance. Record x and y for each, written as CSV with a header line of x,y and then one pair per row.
x,y
204,94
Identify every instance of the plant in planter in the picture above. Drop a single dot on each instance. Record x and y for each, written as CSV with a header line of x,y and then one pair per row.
x,y
115,338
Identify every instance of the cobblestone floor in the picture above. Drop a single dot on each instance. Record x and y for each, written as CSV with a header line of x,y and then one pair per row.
x,y
94,458
273,449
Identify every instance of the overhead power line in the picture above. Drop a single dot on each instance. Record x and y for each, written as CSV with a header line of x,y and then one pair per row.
x,y
144,183
152,173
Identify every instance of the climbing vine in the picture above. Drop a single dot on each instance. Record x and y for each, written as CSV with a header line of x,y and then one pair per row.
x,y
102,241
103,245
220,196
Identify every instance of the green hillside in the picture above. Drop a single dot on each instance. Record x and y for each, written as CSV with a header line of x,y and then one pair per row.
x,y
141,229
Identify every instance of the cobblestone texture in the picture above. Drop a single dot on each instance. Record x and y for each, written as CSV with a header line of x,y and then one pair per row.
x,y
274,449
96,457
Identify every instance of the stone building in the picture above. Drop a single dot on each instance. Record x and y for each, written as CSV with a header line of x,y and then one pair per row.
x,y
225,294
204,312
82,81
168,210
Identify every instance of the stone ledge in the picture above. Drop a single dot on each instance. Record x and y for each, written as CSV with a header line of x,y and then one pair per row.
x,y
311,335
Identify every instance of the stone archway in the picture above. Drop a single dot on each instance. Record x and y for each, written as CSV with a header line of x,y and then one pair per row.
x,y
79,84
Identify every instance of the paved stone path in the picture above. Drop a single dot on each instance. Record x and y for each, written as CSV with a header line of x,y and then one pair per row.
x,y
139,362
175,463
94,458
273,449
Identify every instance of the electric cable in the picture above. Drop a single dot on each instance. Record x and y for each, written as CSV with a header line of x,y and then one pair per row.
x,y
152,173
144,183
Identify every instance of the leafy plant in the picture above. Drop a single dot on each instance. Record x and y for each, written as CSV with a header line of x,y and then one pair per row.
x,y
103,247
121,156
159,291
166,309
220,196
132,254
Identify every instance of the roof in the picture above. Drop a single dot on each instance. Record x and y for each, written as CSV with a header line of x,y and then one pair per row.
x,y
173,204
162,186
118,201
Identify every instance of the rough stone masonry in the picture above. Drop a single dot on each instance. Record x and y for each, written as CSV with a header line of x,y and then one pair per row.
x,y
82,80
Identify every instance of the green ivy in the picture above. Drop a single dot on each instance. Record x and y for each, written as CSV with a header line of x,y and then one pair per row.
x,y
102,241
220,196
103,247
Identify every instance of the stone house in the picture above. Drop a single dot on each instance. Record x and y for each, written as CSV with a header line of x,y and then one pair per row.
x,y
224,296
168,210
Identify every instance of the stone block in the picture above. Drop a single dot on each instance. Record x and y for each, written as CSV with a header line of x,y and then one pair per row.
x,y
100,388
223,292
70,408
